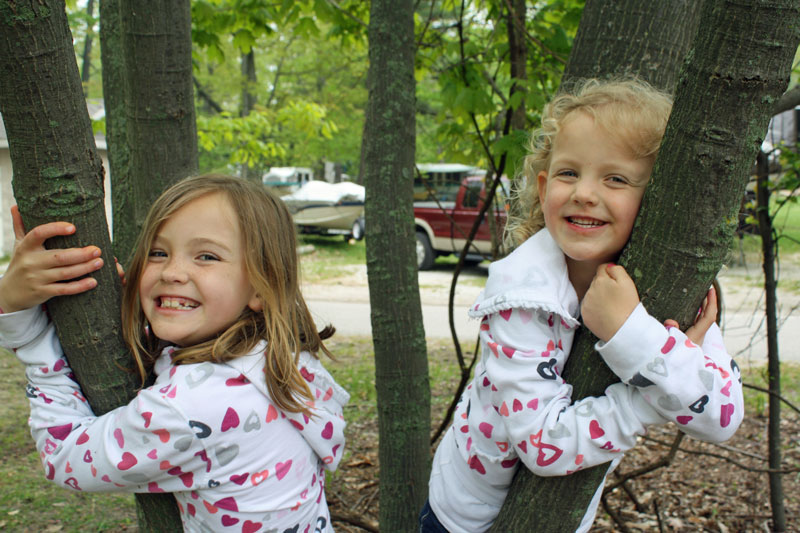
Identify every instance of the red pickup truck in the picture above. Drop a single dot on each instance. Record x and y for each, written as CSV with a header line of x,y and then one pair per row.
x,y
442,227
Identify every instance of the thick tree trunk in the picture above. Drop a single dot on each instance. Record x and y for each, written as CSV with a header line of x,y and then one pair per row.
x,y
159,102
642,37
59,176
738,68
112,54
401,366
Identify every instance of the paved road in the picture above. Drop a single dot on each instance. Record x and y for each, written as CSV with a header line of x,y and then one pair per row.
x,y
744,329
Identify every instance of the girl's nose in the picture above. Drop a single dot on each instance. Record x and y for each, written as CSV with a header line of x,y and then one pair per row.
x,y
174,272
585,191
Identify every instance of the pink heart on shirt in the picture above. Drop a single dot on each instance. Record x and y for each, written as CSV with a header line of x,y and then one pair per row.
x,y
506,314
281,469
231,419
128,461
251,527
327,431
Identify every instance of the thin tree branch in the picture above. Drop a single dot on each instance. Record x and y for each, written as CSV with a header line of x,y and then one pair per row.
x,y
346,13
771,393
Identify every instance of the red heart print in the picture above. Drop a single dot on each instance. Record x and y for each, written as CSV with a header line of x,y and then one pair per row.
x,y
509,463
258,477
87,457
228,521
251,527
548,454
517,405
475,464
119,437
147,415
153,487
281,469
60,432
683,419
209,507
533,404
307,375
523,446
59,365
239,479
84,437
669,345
506,314
502,446
272,413
486,428
163,435
68,469
493,347
231,419
327,431
509,352
237,381
595,431
536,439
229,504
503,409
187,478
128,461
725,415
726,390
153,454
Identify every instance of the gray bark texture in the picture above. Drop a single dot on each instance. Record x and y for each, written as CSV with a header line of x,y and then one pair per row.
x,y
739,66
58,175
159,100
401,365
642,37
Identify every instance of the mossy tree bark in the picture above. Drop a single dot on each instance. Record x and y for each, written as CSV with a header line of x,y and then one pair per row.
x,y
739,66
58,175
401,365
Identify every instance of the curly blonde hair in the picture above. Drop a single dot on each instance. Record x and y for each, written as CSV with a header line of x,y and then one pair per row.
x,y
631,110
270,257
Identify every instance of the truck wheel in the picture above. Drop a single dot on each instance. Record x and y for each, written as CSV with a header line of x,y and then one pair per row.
x,y
357,231
425,255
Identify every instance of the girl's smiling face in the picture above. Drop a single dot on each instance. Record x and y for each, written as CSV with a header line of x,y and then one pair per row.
x,y
195,284
591,193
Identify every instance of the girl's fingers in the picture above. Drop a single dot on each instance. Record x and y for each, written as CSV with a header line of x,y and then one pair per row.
x,y
67,257
72,287
71,272
16,221
36,237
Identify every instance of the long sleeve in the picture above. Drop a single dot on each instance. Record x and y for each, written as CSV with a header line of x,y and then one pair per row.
x,y
137,447
526,352
699,388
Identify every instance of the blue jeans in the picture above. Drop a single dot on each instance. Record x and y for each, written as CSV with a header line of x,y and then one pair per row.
x,y
428,523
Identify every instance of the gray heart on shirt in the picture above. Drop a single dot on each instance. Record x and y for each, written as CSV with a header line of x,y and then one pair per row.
x,y
707,378
559,431
670,402
226,454
199,374
658,367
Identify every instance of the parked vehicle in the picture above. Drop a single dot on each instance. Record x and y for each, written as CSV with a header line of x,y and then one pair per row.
x,y
442,227
328,209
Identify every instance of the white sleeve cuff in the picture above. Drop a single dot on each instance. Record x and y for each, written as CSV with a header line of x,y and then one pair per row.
x,y
22,327
633,343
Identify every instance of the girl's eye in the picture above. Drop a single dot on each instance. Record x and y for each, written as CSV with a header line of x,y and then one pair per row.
x,y
618,180
208,257
157,253
567,174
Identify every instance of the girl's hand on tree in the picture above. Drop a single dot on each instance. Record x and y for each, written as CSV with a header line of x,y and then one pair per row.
x,y
705,317
35,274
610,300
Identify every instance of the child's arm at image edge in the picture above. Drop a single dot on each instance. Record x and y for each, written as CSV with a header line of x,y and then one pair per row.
x,y
699,388
84,452
550,434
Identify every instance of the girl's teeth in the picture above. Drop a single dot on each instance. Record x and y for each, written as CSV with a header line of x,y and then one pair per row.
x,y
175,303
585,222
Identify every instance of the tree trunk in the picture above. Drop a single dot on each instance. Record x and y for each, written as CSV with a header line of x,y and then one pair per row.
x,y
248,101
740,61
401,366
773,361
643,37
86,60
112,55
160,116
59,176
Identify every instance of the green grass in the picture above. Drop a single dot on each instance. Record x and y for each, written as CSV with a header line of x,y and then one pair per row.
x,y
331,257
756,402
787,224
30,503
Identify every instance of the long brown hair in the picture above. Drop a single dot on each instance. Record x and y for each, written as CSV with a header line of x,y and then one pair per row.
x,y
632,112
270,256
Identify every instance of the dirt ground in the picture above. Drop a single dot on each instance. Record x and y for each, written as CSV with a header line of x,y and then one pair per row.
x,y
703,487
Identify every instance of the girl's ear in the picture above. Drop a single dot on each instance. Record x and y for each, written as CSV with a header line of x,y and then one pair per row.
x,y
541,182
255,303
